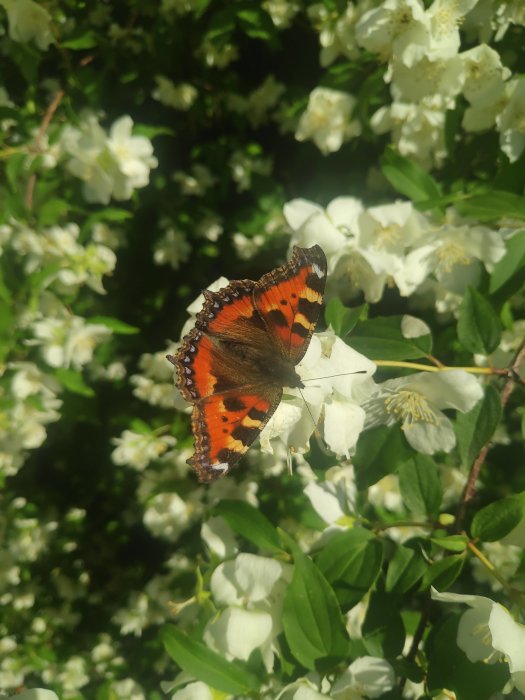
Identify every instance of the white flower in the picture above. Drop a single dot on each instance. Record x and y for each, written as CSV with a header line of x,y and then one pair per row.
x,y
327,120
366,677
506,559
127,689
488,632
397,28
281,12
110,166
384,236
219,537
334,389
484,87
418,130
172,249
445,18
511,121
35,694
198,182
218,54
245,164
417,401
133,155
426,78
334,498
194,691
29,21
155,383
180,96
167,515
337,32
455,253
73,676
137,450
135,616
333,229
68,342
252,589
246,247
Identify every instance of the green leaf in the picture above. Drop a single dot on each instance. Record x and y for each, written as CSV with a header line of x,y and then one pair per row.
x,y
475,428
498,519
52,211
198,660
442,573
493,204
312,620
511,264
405,569
379,452
383,630
408,178
151,131
14,169
115,325
420,485
86,40
450,668
381,338
250,523
351,562
479,328
73,382
451,543
341,318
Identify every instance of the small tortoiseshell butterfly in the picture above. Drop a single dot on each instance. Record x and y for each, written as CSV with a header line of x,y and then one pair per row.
x,y
233,365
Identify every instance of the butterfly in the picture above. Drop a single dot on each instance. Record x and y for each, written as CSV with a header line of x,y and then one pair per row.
x,y
232,366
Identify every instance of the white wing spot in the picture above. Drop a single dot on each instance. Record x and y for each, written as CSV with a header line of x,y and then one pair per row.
x,y
317,270
220,467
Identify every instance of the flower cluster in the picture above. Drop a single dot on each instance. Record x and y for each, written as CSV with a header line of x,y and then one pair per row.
x,y
427,74
370,248
109,165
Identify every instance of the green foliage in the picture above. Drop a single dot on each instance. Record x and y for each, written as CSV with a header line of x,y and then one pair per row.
x,y
149,149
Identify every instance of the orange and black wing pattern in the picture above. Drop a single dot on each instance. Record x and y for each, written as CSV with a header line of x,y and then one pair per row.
x,y
218,363
289,300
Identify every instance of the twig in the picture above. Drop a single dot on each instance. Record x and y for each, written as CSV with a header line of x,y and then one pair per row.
x,y
468,492
37,147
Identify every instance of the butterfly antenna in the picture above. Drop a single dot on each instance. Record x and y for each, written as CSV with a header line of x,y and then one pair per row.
x,y
316,429
331,376
320,440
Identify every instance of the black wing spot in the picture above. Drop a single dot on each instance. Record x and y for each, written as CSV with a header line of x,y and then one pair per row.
x,y
300,330
255,414
277,316
233,404
309,309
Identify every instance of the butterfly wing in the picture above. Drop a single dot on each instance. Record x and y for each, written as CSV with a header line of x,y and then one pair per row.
x,y
289,300
226,424
230,406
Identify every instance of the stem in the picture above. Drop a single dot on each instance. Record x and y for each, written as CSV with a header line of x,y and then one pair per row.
x,y
440,368
470,487
37,147
487,564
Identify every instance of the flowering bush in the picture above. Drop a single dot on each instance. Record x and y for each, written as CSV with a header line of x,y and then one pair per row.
x,y
149,148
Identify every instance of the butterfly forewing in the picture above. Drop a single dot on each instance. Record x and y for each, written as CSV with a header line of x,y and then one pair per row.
x,y
289,300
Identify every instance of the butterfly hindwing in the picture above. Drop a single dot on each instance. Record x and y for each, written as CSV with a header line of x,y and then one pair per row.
x,y
226,424
289,300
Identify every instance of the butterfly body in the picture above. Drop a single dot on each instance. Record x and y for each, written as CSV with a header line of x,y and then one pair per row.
x,y
247,340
